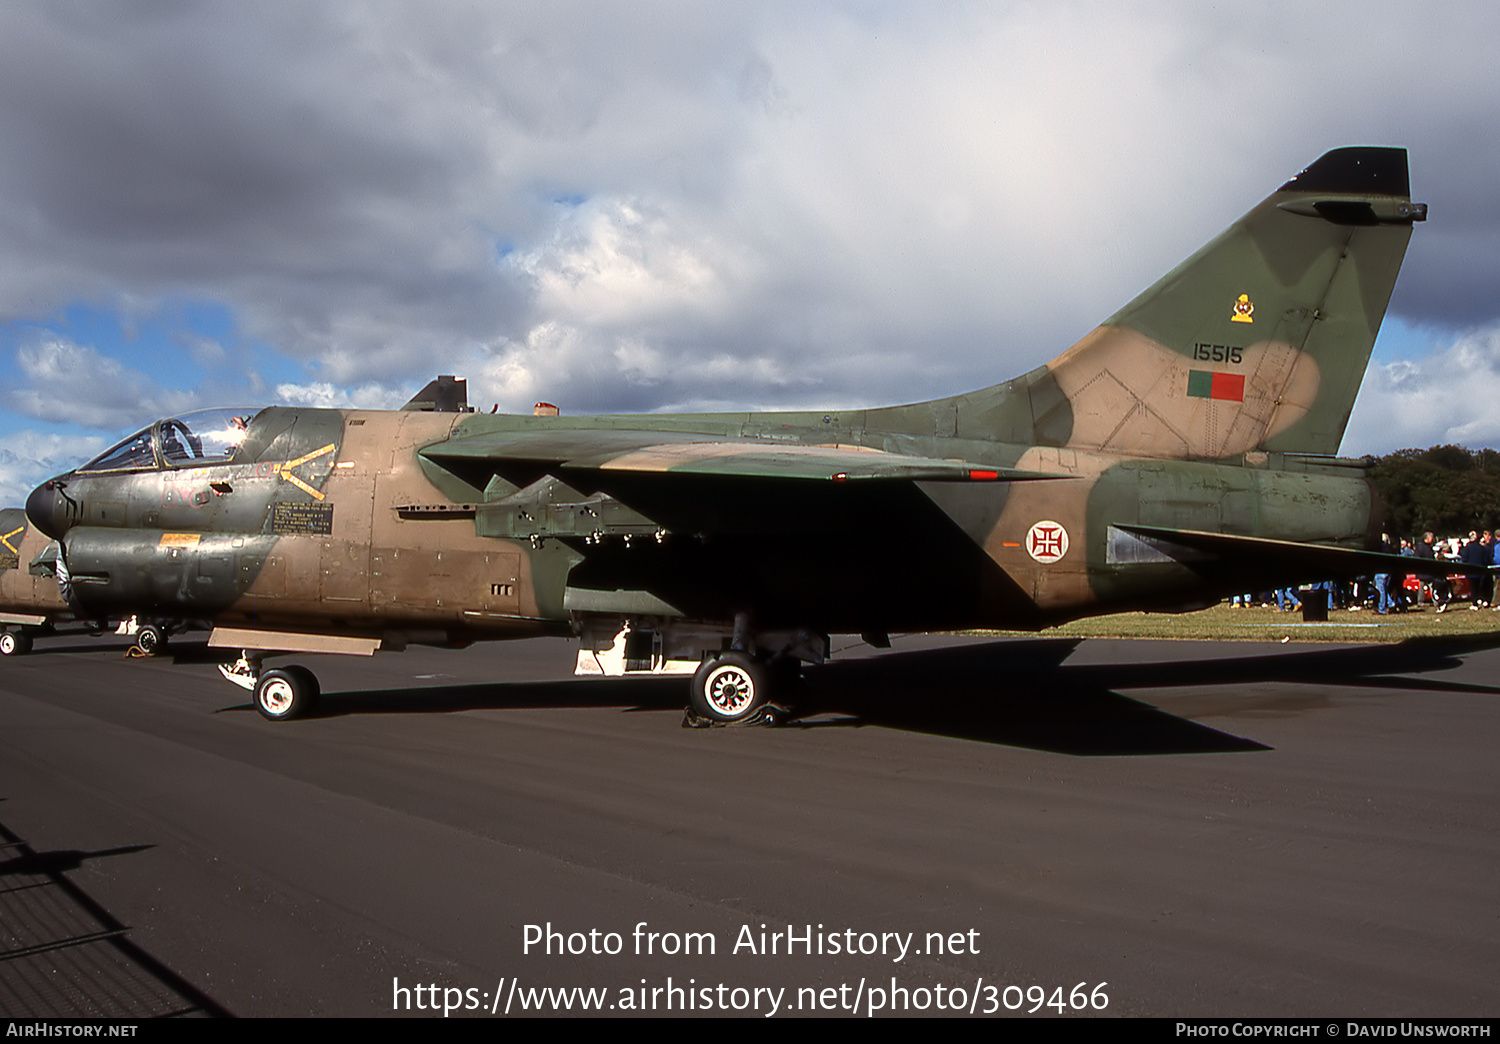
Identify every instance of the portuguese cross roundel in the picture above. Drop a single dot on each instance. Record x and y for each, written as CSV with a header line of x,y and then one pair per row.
x,y
1047,542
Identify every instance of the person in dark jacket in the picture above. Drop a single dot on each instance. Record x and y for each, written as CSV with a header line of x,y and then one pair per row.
x,y
1476,555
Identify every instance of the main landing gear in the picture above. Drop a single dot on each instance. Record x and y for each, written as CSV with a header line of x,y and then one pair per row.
x,y
280,694
738,686
730,689
735,688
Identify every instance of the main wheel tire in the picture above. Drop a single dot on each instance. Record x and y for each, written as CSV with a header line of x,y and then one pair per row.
x,y
289,692
14,643
150,639
730,689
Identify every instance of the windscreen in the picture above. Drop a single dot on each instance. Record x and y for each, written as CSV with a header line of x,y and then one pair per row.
x,y
134,452
203,437
191,440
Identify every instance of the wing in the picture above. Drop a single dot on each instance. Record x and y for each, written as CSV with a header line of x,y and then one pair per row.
x,y
690,453
705,524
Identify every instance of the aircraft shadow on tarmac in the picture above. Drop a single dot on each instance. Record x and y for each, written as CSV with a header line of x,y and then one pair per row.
x,y
94,968
60,861
1017,693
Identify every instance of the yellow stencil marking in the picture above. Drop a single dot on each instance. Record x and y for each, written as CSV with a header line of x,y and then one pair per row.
x,y
179,539
314,455
303,486
285,471
6,539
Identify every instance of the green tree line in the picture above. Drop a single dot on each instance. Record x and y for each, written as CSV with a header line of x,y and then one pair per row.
x,y
1447,489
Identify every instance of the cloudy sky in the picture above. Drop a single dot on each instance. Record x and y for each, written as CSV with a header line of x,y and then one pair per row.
x,y
658,206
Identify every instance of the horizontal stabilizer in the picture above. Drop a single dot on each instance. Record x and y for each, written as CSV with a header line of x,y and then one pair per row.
x,y
1278,561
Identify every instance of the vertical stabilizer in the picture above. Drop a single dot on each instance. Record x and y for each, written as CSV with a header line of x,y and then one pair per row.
x,y
1258,341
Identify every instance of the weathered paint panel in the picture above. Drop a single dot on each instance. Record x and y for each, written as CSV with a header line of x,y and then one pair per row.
x,y
1064,581
1132,395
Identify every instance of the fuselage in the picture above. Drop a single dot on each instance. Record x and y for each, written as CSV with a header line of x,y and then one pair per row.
x,y
337,521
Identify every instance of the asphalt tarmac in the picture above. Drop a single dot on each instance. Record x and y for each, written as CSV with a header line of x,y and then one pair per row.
x,y
1116,828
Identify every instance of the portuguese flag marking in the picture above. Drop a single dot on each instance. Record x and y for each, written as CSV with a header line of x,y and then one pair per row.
x,y
1205,384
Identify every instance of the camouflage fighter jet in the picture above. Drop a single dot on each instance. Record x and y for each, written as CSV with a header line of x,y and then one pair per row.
x,y
1180,452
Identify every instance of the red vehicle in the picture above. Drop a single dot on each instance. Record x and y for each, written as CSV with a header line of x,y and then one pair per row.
x,y
1458,588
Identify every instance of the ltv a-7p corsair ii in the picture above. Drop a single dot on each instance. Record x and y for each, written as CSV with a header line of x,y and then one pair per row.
x,y
1182,451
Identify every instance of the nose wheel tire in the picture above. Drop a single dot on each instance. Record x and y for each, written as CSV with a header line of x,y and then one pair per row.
x,y
288,692
150,639
730,689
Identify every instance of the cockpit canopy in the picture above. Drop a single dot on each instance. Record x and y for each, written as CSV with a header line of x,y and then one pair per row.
x,y
192,440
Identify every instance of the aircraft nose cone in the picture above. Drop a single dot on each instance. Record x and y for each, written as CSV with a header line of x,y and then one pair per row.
x,y
45,510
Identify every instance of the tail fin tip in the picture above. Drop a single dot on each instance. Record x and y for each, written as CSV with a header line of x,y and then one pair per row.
x,y
1360,170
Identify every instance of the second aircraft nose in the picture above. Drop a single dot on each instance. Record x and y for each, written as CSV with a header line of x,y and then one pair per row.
x,y
50,509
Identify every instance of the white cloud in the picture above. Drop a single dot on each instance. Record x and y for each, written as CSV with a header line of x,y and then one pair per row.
x,y
324,395
29,457
71,382
611,265
657,204
1450,396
